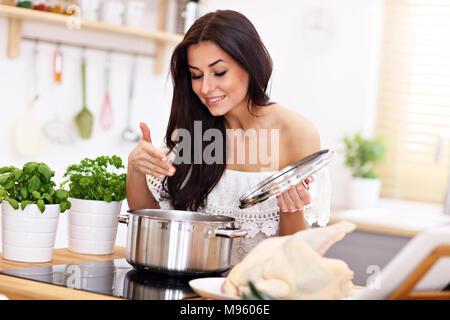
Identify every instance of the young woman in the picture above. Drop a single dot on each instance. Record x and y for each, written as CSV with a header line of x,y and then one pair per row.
x,y
220,73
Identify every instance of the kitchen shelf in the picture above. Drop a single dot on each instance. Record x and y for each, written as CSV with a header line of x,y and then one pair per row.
x,y
17,15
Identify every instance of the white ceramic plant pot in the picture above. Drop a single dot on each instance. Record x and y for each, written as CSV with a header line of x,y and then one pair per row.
x,y
363,193
29,235
92,226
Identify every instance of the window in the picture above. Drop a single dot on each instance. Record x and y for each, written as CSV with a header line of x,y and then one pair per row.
x,y
413,107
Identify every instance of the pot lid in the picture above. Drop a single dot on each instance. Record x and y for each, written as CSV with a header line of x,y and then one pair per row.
x,y
286,178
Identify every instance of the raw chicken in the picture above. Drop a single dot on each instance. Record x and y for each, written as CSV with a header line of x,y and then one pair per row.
x,y
292,267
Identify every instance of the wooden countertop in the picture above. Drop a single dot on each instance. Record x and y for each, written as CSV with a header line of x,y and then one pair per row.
x,y
398,220
22,289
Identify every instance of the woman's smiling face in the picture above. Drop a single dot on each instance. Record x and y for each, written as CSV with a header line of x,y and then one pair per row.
x,y
217,79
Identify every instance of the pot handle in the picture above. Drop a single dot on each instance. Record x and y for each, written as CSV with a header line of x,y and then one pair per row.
x,y
230,233
123,219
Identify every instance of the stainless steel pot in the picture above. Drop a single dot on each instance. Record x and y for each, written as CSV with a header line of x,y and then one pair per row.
x,y
179,242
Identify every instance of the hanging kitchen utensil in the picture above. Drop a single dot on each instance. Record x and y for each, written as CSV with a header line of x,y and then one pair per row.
x,y
106,113
57,130
286,178
28,135
128,134
84,119
57,64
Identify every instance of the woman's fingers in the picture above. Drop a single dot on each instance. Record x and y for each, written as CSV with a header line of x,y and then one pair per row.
x,y
149,168
145,132
288,203
294,199
303,194
146,161
156,157
281,203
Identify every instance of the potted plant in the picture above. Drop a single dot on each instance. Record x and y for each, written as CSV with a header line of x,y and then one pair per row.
x,y
30,212
96,190
360,156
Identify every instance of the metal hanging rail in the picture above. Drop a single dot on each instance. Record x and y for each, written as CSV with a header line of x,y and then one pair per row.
x,y
84,46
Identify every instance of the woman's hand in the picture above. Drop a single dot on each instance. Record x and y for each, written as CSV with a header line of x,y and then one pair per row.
x,y
146,159
295,198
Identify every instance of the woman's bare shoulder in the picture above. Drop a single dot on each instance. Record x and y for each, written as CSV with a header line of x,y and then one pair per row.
x,y
298,134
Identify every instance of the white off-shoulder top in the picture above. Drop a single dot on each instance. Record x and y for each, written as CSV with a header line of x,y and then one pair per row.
x,y
261,220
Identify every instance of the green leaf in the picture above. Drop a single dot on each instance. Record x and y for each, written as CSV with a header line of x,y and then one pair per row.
x,y
65,205
107,197
47,197
13,203
30,167
18,174
361,154
10,183
41,205
7,169
23,204
36,195
45,171
24,192
61,194
256,294
34,183
96,179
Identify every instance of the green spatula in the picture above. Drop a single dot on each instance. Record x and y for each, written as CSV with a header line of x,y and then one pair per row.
x,y
84,119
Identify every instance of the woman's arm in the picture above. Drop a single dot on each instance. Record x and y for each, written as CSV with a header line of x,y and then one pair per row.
x,y
138,194
145,159
291,222
301,140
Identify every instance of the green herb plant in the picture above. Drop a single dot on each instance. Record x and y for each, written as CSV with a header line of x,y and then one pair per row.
x,y
31,185
97,179
361,154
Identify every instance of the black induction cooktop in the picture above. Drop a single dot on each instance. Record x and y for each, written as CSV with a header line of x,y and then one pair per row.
x,y
113,278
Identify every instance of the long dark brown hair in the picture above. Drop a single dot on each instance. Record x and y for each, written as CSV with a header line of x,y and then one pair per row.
x,y
189,187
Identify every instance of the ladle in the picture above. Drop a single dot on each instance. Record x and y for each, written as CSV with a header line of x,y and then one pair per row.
x,y
128,134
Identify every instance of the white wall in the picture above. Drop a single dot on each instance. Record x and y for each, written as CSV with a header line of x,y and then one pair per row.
x,y
325,65
325,55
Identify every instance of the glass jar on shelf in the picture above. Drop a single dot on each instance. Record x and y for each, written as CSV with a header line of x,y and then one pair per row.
x,y
57,6
42,5
25,4
8,2
72,7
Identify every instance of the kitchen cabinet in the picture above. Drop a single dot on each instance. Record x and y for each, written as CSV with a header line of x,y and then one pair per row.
x,y
16,16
